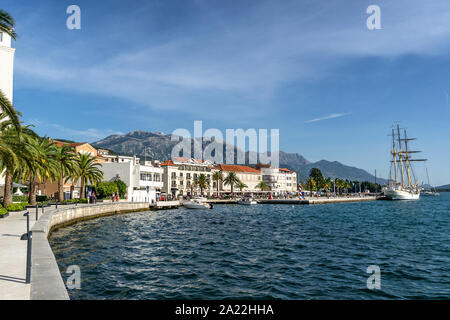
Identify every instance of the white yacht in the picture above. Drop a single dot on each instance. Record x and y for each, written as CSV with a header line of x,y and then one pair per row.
x,y
403,185
247,201
197,203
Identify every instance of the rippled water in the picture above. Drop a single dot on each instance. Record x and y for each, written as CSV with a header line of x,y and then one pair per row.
x,y
263,252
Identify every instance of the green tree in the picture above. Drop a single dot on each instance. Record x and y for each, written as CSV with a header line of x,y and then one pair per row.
x,y
67,164
106,188
217,176
10,140
202,181
241,186
231,180
312,185
263,186
37,163
7,24
316,174
87,172
121,187
327,185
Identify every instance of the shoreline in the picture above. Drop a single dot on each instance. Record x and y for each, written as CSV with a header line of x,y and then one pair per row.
x,y
46,280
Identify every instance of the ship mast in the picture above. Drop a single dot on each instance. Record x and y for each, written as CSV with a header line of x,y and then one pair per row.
x,y
400,154
394,154
408,166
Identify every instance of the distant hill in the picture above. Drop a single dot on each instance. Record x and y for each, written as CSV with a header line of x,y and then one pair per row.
x,y
333,169
158,146
444,187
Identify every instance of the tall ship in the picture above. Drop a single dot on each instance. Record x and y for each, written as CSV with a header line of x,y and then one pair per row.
x,y
402,183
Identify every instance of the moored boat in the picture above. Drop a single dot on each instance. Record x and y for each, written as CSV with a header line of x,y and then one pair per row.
x,y
197,203
403,186
247,201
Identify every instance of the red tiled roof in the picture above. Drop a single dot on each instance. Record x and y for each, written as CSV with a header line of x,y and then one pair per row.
x,y
286,170
168,163
236,168
72,145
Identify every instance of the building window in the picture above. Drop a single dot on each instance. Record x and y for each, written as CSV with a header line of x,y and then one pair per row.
x,y
146,176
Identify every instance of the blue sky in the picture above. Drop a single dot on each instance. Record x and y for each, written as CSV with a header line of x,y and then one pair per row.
x,y
309,68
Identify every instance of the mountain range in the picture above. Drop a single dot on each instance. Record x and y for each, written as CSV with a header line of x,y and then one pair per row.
x,y
158,146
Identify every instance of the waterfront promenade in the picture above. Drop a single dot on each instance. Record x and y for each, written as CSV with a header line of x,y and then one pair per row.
x,y
46,281
13,255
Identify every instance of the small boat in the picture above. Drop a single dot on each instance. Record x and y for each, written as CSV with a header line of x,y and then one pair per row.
x,y
247,201
197,203
429,192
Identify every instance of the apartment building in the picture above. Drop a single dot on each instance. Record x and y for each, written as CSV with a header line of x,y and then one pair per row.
x,y
280,180
144,181
250,176
180,174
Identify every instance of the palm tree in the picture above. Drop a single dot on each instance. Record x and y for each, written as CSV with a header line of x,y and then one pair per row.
x,y
9,148
202,182
327,185
231,180
7,24
67,164
312,185
263,186
38,164
7,111
241,185
217,176
339,185
87,172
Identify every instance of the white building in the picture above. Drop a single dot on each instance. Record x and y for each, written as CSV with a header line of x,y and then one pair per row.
x,y
181,173
116,158
281,181
6,77
144,182
6,65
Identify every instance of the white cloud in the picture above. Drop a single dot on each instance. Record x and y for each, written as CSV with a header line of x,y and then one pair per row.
x,y
328,117
63,132
244,59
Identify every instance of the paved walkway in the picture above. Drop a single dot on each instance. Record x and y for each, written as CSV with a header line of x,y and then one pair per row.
x,y
13,256
13,253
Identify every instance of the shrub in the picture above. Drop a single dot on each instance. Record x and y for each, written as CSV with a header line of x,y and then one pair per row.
x,y
106,189
14,207
3,211
122,186
20,199
72,201
41,198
